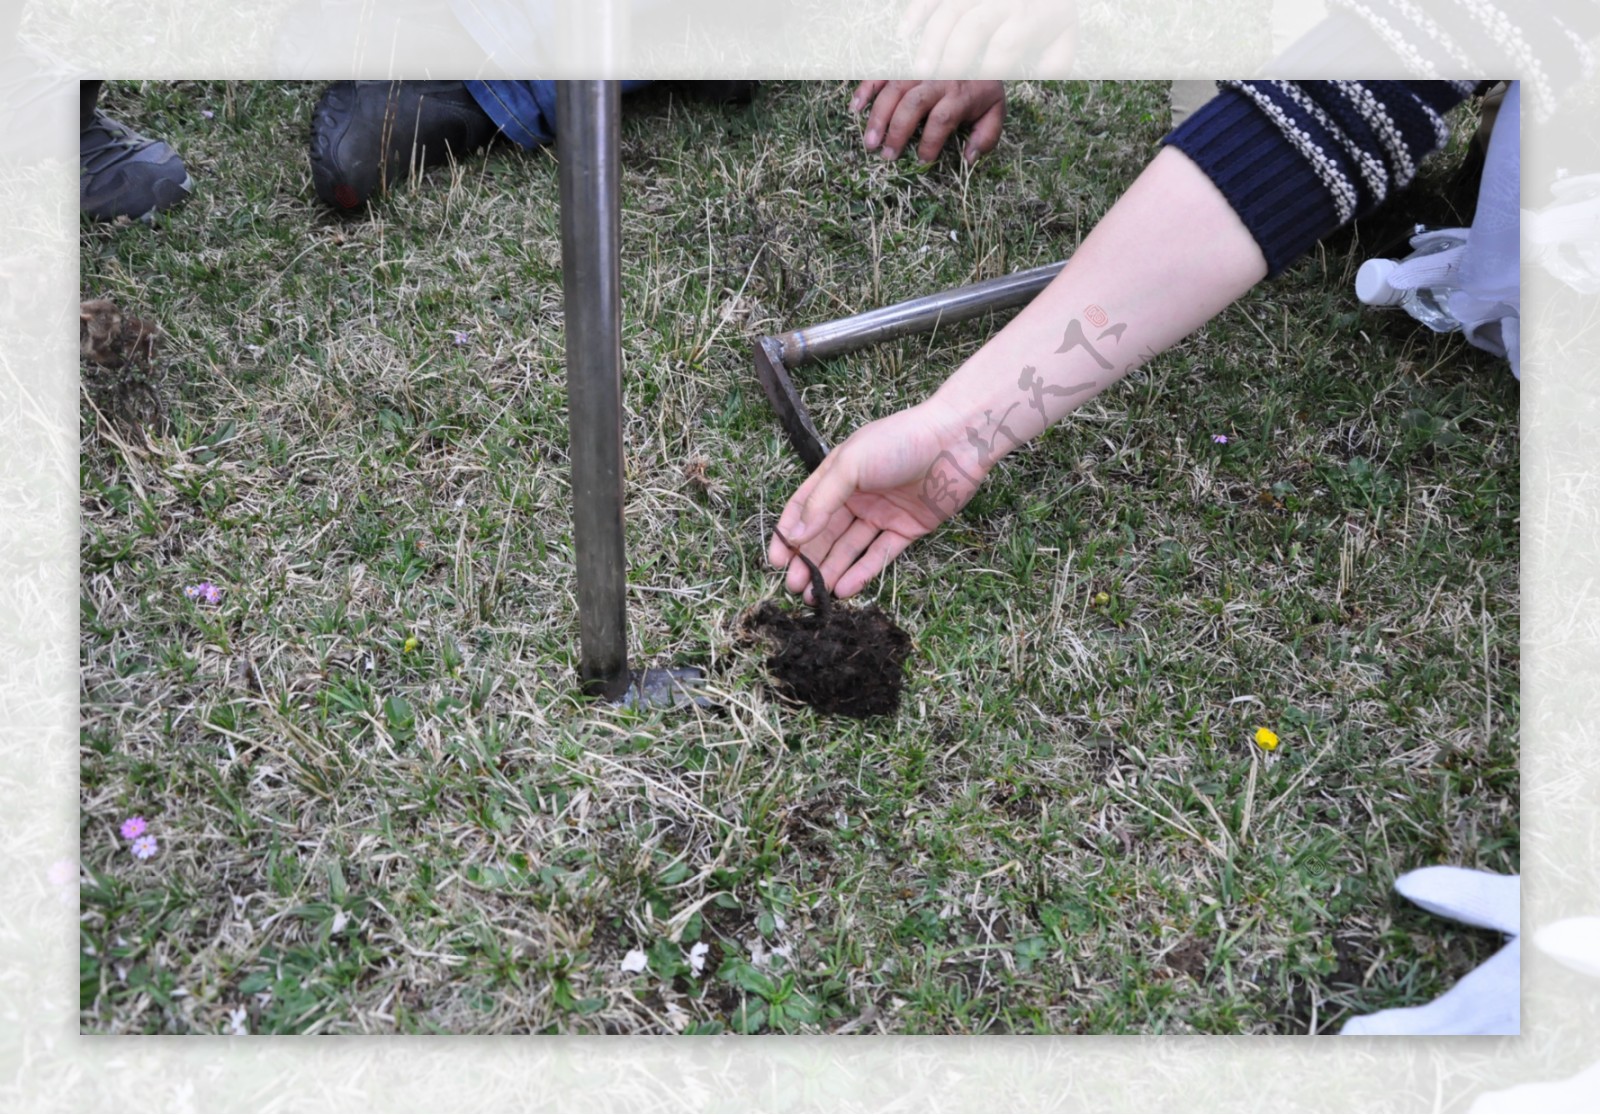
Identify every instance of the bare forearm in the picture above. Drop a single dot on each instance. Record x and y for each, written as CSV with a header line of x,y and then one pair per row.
x,y
1165,259
1169,255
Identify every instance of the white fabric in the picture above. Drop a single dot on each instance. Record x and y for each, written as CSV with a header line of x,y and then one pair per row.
x,y
1483,275
1478,898
1575,942
1488,301
1488,1000
1573,1096
1565,235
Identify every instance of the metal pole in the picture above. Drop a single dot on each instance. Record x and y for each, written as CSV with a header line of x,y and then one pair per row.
x,y
592,37
591,286
833,338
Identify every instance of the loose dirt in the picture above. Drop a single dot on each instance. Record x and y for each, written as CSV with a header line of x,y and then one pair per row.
x,y
839,660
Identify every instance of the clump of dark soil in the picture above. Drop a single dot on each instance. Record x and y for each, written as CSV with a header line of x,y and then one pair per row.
x,y
839,660
118,359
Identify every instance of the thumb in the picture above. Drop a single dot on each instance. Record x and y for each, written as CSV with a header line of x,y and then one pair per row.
x,y
808,513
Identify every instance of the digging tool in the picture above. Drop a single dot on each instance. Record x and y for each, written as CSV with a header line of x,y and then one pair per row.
x,y
776,356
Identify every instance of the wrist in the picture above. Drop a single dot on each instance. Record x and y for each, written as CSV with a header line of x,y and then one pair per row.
x,y
979,427
944,419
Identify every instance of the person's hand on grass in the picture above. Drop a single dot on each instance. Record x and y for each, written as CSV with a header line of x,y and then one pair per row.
x,y
1009,37
938,107
888,484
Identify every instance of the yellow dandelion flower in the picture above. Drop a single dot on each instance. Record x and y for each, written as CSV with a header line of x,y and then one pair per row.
x,y
1266,739
412,643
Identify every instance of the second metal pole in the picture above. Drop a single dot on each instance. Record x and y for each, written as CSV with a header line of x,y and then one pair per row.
x,y
587,115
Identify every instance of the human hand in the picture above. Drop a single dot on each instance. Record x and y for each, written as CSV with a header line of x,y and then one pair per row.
x,y
940,107
882,488
999,37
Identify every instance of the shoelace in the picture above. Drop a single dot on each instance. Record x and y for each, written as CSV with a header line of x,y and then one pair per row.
x,y
119,143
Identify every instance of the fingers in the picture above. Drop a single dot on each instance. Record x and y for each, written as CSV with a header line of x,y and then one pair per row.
x,y
819,499
779,552
936,34
884,549
968,38
820,545
846,549
864,94
943,120
798,579
964,102
1007,50
815,514
884,103
985,133
915,15
913,108
939,108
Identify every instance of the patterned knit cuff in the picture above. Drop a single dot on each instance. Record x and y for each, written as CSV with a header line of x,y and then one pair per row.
x,y
1274,190
1546,45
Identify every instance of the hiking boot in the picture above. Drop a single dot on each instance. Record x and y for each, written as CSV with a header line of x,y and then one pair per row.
x,y
123,174
367,135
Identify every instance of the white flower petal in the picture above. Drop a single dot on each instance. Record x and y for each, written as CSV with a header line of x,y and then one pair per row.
x,y
634,961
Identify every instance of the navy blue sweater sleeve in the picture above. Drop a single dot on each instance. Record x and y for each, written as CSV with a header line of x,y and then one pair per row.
x,y
1299,159
1548,45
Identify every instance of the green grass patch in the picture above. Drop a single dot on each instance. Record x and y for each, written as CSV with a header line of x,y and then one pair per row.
x,y
382,806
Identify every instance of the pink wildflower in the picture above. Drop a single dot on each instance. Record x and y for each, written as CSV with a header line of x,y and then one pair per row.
x,y
205,592
1220,439
133,828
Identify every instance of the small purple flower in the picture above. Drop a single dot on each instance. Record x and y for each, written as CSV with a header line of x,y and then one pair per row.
x,y
205,592
462,337
208,114
133,828
144,847
1220,439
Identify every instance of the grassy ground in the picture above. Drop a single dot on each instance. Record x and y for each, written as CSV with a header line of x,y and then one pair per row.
x,y
381,807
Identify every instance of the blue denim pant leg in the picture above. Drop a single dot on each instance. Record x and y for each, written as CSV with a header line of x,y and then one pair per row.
x,y
525,110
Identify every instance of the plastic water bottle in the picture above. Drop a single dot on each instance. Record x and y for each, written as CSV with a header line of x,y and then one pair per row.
x,y
1422,282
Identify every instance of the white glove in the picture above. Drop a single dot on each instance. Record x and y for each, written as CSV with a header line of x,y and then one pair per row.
x,y
1575,942
1488,1000
1565,234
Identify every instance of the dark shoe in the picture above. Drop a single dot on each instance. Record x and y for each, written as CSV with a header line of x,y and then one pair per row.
x,y
123,174
367,135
